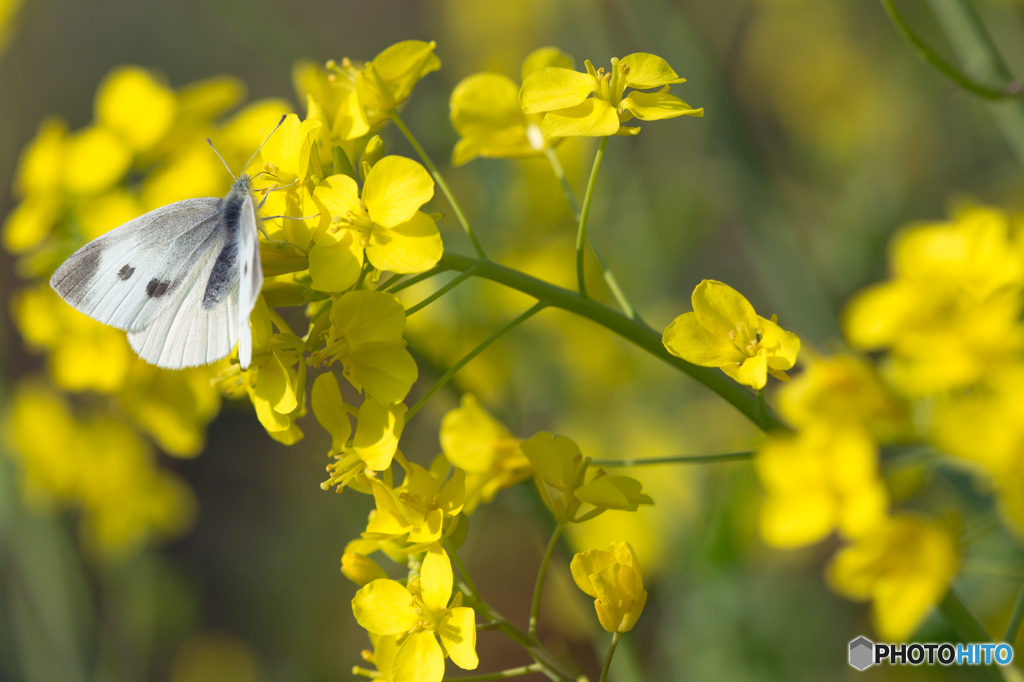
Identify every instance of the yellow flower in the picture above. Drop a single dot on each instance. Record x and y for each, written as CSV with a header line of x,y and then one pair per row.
x,y
385,648
276,389
366,337
376,437
819,480
385,221
903,566
485,111
419,615
566,96
386,81
613,577
133,104
557,462
952,309
724,331
844,390
481,446
424,509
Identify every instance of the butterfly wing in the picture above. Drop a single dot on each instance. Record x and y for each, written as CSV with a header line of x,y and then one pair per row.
x,y
250,278
126,277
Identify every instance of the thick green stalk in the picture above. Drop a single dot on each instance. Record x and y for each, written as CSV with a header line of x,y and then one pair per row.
x,y
678,459
470,355
581,235
538,588
980,58
606,271
608,658
632,330
935,60
456,206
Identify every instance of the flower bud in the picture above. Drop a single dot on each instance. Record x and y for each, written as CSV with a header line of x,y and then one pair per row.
x,y
360,569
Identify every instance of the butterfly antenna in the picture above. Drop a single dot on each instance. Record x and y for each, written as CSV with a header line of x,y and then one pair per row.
x,y
220,157
265,141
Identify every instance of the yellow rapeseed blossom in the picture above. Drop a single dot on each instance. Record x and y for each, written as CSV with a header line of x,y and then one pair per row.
x,y
613,577
822,479
276,378
423,510
952,308
903,566
385,82
365,336
418,615
844,390
485,111
724,331
481,446
595,104
385,221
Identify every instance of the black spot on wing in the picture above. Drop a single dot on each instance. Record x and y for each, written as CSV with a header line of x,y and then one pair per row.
x,y
155,288
126,272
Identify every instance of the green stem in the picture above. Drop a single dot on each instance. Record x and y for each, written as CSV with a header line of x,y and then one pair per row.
x,y
504,674
678,459
608,658
1015,620
362,276
933,58
456,206
581,236
538,588
980,57
634,331
609,276
470,355
440,292
389,281
965,625
436,270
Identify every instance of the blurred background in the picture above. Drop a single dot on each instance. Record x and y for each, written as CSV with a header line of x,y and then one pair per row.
x,y
822,134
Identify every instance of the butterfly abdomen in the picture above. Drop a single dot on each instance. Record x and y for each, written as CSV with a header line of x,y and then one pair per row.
x,y
224,275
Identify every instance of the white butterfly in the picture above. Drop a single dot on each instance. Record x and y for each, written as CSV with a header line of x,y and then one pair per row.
x,y
181,280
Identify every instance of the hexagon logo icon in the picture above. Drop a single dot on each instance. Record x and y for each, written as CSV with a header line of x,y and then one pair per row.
x,y
862,653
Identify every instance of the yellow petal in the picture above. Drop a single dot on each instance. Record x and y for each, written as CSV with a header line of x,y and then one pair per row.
x,y
624,554
554,458
588,563
614,492
30,222
339,194
688,339
362,570
41,166
289,148
377,433
753,372
401,66
329,409
95,160
386,371
648,71
469,436
419,659
782,347
384,607
543,57
413,246
336,268
395,189
724,312
368,317
633,612
797,518
877,316
453,494
655,106
436,578
485,103
554,88
458,635
131,102
590,118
